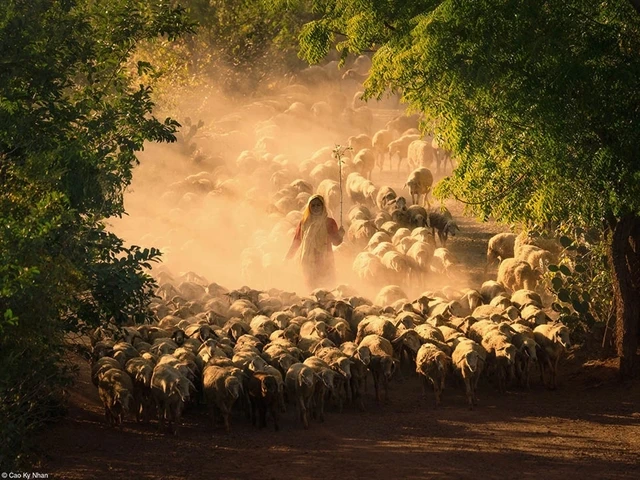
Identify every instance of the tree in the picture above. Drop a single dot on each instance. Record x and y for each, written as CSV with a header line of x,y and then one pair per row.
x,y
539,101
72,117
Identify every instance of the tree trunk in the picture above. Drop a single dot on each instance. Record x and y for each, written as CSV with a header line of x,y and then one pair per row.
x,y
625,265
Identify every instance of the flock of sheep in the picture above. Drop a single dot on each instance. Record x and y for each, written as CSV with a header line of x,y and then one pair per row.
x,y
261,351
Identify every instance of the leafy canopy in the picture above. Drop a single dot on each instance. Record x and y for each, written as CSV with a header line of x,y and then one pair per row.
x,y
537,100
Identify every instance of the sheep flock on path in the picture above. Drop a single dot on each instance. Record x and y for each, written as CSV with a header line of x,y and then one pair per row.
x,y
268,349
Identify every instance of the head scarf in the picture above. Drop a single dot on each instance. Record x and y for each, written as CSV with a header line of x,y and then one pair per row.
x,y
314,234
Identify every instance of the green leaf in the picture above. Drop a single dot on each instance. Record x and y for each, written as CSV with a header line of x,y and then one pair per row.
x,y
580,268
556,283
565,241
565,270
563,295
556,307
580,307
553,268
586,297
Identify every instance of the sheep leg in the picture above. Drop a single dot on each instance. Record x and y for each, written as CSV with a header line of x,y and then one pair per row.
x,y
302,412
554,374
376,386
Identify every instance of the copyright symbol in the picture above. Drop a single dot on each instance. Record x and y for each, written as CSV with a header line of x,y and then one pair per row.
x,y
4,475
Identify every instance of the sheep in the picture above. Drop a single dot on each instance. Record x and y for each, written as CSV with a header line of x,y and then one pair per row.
x,y
500,247
421,255
526,354
115,389
419,182
381,218
534,315
443,261
378,238
468,359
359,212
368,267
222,386
141,370
341,364
418,216
549,244
403,122
263,390
431,364
400,147
360,118
360,190
100,366
359,142
380,143
300,382
360,358
364,161
420,154
170,389
553,339
535,256
330,191
386,197
443,226
516,274
325,386
397,265
389,294
503,355
523,297
382,364
491,289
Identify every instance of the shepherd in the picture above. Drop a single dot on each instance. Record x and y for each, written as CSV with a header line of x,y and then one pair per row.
x,y
313,240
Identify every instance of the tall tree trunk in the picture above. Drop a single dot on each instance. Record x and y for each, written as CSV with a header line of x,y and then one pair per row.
x,y
625,264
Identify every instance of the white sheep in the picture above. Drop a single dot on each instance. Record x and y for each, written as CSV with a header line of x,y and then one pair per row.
x,y
516,274
382,364
431,364
420,154
419,182
388,295
300,383
364,161
324,387
553,339
500,247
368,267
468,359
115,389
360,190
400,147
330,191
444,261
380,143
170,390
222,387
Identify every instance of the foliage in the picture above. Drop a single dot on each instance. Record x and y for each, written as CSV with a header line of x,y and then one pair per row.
x,y
537,100
581,283
239,46
72,117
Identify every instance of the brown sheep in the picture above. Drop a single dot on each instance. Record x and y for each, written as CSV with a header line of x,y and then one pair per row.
x,y
222,388
115,389
419,182
264,395
517,274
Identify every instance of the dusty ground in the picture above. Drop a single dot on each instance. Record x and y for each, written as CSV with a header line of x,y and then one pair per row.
x,y
588,428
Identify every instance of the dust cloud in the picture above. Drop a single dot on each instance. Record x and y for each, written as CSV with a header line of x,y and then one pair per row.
x,y
219,202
